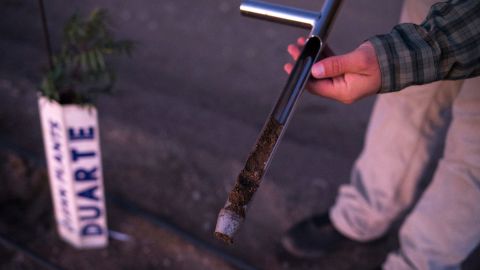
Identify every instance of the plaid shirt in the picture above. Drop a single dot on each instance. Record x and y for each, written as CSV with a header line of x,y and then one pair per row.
x,y
446,46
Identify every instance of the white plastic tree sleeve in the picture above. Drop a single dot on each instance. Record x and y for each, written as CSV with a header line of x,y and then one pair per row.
x,y
71,141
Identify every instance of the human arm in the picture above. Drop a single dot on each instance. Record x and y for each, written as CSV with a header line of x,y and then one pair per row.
x,y
444,47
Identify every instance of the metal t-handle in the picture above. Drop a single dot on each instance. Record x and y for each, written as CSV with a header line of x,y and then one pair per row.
x,y
318,22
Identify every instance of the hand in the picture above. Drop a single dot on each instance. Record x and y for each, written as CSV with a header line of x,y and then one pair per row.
x,y
345,78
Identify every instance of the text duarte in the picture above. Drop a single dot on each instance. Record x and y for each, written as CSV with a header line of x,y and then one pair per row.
x,y
86,199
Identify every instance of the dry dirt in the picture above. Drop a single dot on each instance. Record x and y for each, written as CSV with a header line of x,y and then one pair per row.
x,y
187,109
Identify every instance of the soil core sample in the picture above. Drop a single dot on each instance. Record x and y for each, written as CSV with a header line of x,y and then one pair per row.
x,y
247,182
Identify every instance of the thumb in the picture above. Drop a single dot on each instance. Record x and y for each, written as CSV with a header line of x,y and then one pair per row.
x,y
333,66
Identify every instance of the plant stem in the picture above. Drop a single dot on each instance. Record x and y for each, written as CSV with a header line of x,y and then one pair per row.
x,y
46,34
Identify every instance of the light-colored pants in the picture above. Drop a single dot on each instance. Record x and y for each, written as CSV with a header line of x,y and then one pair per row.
x,y
405,130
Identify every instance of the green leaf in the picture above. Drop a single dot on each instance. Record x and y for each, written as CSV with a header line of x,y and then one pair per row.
x,y
81,65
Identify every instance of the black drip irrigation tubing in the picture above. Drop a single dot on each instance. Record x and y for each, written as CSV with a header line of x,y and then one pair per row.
x,y
6,242
154,219
185,235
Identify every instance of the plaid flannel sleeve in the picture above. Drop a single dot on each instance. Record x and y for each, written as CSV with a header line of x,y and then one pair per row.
x,y
446,46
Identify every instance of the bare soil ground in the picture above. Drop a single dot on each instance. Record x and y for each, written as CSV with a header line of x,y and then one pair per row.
x,y
188,108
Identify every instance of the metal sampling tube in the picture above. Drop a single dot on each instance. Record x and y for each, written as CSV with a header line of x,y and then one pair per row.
x,y
233,213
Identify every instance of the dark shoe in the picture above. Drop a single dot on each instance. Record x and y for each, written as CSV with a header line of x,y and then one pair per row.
x,y
313,238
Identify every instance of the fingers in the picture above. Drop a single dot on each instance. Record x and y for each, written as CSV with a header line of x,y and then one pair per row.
x,y
288,68
301,41
335,88
295,49
361,60
345,78
332,67
323,87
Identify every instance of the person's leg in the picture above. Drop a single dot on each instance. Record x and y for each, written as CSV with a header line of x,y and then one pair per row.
x,y
403,132
404,129
444,227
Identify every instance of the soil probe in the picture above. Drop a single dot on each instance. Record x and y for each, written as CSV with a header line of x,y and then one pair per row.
x,y
248,181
